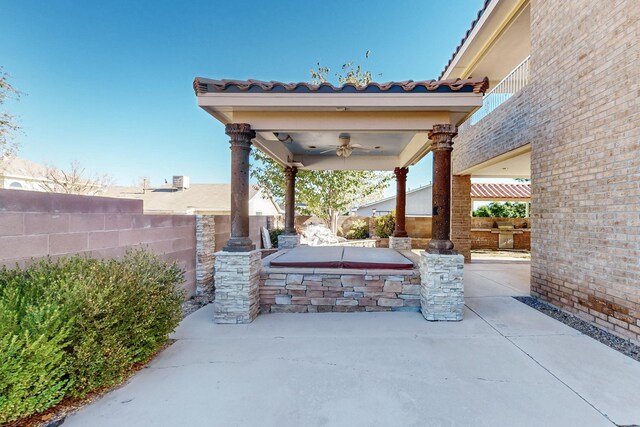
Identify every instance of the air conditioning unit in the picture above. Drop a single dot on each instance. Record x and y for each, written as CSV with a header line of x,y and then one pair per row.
x,y
180,182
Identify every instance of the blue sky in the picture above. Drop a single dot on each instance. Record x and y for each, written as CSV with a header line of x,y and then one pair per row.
x,y
108,83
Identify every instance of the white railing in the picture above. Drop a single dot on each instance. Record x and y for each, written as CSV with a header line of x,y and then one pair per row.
x,y
510,85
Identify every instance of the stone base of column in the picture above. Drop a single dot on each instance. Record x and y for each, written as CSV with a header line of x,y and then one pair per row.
x,y
400,243
288,241
237,277
442,286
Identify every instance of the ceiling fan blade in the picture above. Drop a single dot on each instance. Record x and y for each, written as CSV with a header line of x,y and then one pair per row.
x,y
356,145
326,151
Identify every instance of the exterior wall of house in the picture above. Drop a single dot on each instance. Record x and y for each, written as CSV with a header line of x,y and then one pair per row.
x,y
506,128
261,206
418,203
585,161
34,225
461,215
580,114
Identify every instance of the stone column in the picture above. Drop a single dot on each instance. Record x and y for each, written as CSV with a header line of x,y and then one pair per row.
x,y
442,137
441,269
289,239
237,266
400,239
240,135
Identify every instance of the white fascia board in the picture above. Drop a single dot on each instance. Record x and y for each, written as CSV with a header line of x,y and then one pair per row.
x,y
433,101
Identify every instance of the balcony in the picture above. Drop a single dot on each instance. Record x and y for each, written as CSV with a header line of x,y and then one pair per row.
x,y
509,86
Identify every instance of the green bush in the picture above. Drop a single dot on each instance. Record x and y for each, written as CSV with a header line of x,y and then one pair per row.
x,y
385,224
273,234
359,230
79,324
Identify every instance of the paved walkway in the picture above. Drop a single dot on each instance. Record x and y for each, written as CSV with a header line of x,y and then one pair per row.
x,y
506,364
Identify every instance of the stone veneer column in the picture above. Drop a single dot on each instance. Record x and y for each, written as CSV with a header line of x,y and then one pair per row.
x,y
400,239
240,135
441,268
442,137
237,266
442,286
289,239
205,253
237,279
461,215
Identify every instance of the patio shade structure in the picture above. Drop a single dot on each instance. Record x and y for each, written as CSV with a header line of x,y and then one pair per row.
x,y
380,126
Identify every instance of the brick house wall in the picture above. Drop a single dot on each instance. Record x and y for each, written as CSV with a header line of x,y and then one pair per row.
x,y
36,224
506,128
586,159
461,214
580,113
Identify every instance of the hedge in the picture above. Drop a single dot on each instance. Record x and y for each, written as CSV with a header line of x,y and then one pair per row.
x,y
78,324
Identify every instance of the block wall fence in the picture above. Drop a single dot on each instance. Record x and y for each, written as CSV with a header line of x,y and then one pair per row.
x,y
34,225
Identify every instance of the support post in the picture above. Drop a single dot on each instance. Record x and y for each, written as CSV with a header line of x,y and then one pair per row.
x,y
442,137
240,135
289,239
290,200
399,239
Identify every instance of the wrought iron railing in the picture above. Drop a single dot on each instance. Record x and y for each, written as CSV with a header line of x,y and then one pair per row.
x,y
510,85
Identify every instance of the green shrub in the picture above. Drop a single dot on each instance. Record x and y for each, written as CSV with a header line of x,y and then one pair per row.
x,y
78,324
273,234
359,230
385,225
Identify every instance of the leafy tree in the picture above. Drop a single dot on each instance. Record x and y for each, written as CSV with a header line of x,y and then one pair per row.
x,y
8,123
501,210
325,194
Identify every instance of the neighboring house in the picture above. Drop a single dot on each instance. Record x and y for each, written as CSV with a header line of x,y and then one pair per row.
x,y
419,200
418,203
563,110
17,173
206,199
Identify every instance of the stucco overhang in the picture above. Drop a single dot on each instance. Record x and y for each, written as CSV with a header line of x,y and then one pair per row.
x,y
297,124
497,41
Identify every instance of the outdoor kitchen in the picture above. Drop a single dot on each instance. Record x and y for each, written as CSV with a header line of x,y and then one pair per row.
x,y
500,233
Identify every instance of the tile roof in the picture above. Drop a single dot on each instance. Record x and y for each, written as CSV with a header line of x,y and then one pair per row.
x,y
500,191
476,85
466,35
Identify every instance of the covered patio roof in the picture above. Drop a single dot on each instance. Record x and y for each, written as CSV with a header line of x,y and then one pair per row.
x,y
302,125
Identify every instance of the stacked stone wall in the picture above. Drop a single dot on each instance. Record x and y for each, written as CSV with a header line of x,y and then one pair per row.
x,y
287,290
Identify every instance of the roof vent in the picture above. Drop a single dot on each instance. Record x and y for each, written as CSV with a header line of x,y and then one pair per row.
x,y
180,182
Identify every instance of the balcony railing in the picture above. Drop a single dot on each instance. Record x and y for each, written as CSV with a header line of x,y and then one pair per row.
x,y
510,85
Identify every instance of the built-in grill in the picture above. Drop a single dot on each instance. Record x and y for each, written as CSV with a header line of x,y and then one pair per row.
x,y
505,234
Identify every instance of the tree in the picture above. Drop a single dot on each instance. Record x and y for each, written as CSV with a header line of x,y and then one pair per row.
x,y
8,123
325,194
74,181
501,210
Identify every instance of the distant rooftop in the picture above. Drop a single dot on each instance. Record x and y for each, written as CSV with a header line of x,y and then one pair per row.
x,y
203,197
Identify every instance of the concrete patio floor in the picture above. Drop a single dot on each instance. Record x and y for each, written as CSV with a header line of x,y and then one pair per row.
x,y
506,364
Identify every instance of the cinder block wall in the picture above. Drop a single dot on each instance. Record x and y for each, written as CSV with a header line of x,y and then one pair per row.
x,y
585,83
35,224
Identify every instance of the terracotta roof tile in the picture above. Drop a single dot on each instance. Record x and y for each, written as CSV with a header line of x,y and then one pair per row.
x,y
500,191
478,85
466,35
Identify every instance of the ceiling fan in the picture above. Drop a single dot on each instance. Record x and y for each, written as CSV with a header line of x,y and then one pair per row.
x,y
345,148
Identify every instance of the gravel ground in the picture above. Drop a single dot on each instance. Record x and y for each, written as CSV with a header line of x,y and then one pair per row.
x,y
619,344
196,302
